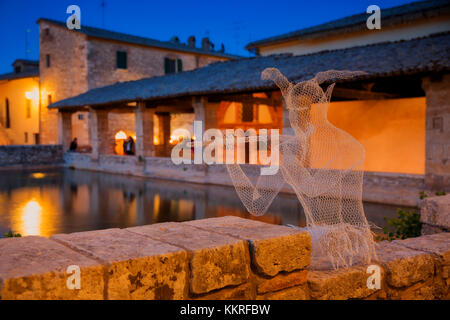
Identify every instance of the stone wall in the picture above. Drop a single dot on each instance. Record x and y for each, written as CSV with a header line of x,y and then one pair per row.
x,y
437,149
142,62
435,214
66,76
379,187
217,258
24,156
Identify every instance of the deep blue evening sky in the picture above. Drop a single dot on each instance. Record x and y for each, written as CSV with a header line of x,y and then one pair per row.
x,y
233,22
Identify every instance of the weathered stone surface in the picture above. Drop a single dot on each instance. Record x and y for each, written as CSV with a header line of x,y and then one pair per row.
x,y
341,284
138,267
293,293
273,248
35,268
244,291
217,260
435,211
404,266
439,245
422,290
429,229
280,281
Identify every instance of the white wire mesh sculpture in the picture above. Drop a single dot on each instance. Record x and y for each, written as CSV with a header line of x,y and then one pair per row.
x,y
324,166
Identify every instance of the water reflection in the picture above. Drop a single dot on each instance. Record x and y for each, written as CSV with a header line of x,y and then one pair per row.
x,y
64,201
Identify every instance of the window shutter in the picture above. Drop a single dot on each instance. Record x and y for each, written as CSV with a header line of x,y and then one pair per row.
x,y
166,65
180,65
121,60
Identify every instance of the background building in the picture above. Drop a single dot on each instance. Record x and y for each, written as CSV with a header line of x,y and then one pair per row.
x,y
406,22
74,61
19,104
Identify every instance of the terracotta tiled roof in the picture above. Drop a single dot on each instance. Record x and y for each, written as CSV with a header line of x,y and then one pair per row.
x,y
419,56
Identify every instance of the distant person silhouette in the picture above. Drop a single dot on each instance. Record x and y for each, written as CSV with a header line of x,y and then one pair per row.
x,y
73,145
128,146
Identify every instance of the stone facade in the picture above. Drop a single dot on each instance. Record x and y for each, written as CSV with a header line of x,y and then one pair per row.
x,y
437,164
79,63
65,77
218,258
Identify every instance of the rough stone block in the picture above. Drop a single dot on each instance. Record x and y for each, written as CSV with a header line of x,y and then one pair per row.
x,y
438,244
404,266
340,284
435,211
273,248
35,268
216,260
244,291
293,293
280,281
138,267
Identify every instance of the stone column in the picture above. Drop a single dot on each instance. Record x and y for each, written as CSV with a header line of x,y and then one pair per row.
x,y
206,112
437,133
286,123
65,129
164,132
102,142
144,131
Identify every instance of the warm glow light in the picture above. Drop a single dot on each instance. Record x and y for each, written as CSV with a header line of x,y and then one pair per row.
x,y
32,95
155,140
176,139
38,175
31,217
121,135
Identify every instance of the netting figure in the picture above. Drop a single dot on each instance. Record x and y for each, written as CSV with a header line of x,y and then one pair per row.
x,y
324,166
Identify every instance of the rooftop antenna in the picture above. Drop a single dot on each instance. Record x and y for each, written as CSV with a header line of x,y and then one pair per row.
x,y
27,50
103,13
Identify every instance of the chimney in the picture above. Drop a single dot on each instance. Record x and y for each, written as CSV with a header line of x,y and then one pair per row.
x,y
175,39
205,44
191,42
